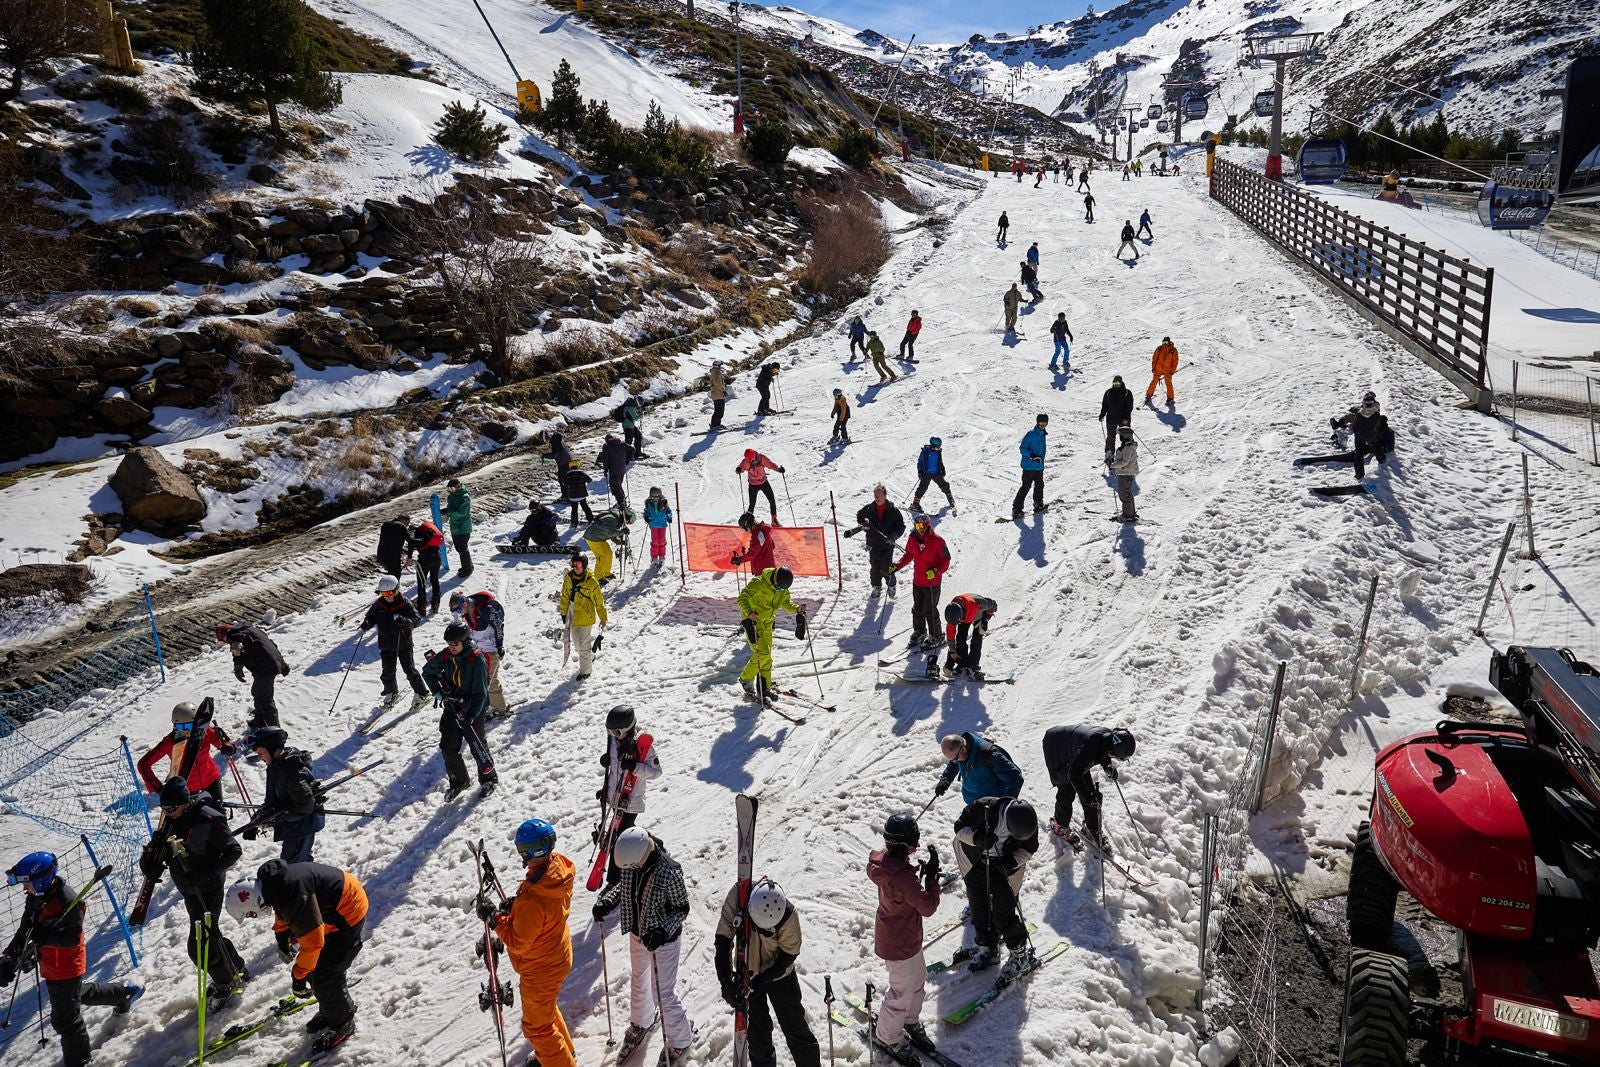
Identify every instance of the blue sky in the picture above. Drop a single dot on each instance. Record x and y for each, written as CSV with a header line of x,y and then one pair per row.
x,y
936,21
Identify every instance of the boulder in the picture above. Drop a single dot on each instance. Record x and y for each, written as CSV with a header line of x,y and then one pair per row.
x,y
121,412
155,495
168,345
499,432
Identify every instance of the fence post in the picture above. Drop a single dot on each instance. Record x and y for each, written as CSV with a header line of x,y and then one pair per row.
x,y
1588,390
1361,644
1272,732
155,634
838,549
683,566
134,772
1527,508
1516,365
1505,545
116,908
1208,860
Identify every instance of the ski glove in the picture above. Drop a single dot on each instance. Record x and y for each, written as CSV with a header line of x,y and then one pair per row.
x,y
284,670
735,559
286,948
227,748
800,624
486,911
249,833
239,673
600,911
1111,772
8,970
302,986
749,630
942,788
852,532
654,939
730,993
597,641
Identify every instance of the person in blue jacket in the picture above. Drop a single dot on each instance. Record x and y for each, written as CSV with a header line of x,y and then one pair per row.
x,y
657,516
1033,445
985,769
930,468
858,339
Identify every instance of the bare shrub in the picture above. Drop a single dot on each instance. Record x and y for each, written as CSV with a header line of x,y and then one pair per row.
x,y
139,307
163,158
576,348
848,244
36,261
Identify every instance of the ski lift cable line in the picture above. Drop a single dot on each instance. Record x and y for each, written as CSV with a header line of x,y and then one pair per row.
x,y
1368,129
1409,88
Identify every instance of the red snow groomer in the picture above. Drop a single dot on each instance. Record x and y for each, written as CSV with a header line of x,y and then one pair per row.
x,y
1495,829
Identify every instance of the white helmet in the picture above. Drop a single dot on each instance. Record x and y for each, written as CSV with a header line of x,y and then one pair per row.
x,y
767,904
244,900
633,847
388,584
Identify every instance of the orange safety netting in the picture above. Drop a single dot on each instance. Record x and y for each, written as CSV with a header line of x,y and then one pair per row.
x,y
800,548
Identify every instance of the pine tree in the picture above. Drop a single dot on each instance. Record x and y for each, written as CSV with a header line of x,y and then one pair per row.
x,y
563,112
261,50
467,133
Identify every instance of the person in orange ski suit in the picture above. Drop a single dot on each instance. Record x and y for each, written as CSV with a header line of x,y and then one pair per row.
x,y
1162,365
535,934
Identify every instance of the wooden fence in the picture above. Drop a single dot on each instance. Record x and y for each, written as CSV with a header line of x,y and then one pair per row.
x,y
1434,301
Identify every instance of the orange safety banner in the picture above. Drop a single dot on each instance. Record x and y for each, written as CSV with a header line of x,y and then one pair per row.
x,y
800,548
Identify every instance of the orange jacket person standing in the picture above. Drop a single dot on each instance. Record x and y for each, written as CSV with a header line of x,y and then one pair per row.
x,y
1162,365
538,943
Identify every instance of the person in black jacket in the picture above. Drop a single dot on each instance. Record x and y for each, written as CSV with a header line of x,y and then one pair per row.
x,y
1372,433
292,806
575,491
538,529
1030,280
1070,752
995,839
1116,408
1000,234
394,539
614,457
764,378
394,618
884,526
1128,241
254,651
552,444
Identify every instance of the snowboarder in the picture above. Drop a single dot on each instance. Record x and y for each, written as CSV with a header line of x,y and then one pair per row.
x,y
930,468
1116,409
458,514
995,839
394,617
52,926
658,517
1070,753
1030,278
1062,333
620,757
1372,434
392,538
1144,225
966,621
610,526
486,618
574,491
654,905
427,540
1000,235
883,524
759,552
203,774
1125,465
614,458
631,414
763,596
906,896
985,769
538,529
764,379
552,445
909,341
1127,240
774,987
717,382
1088,207
858,339
1163,364
754,467
292,805
534,931
318,912
1013,301
1033,449
254,651
582,605
841,419
929,557
880,362
459,677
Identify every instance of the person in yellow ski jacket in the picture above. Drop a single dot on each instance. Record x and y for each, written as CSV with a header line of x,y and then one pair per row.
x,y
760,601
538,943
582,605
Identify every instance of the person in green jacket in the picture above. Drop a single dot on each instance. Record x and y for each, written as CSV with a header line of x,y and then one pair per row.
x,y
761,600
609,526
459,677
1013,301
458,515
582,605
879,363
632,435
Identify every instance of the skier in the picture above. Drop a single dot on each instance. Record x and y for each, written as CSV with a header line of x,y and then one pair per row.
x,y
929,557
254,651
1000,235
458,514
906,896
658,517
551,444
1138,169
841,419
1144,224
764,380
631,415
1088,207
909,341
1083,178
1127,172
930,468
614,457
486,618
1116,409
1013,301
1070,752
318,912
1040,179
203,774
754,467
611,525
1033,449
459,676
394,617
1372,434
772,946
52,926
1163,364
574,491
760,552
193,842
582,605
534,931
1125,465
1030,278
763,596
995,839
621,756
985,769
654,905
1063,338
1127,240
717,382
292,805
858,339
392,538
883,524
966,621
538,529
427,540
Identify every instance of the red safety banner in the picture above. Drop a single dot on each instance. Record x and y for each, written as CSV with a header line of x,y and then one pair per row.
x,y
802,549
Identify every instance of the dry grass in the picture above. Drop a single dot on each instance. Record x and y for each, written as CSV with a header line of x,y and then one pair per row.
x,y
691,255
646,239
848,245
576,347
139,307
240,332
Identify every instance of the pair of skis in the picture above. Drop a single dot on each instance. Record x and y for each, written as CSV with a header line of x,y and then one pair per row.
x,y
869,1034
375,727
616,809
1079,842
494,996
745,808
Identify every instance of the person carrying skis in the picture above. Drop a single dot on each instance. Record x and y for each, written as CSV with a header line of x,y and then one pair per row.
x,y
717,385
1124,465
486,618
631,415
1116,409
533,927
858,339
610,526
393,538
614,457
1033,449
1005,224
1030,278
574,492
254,651
760,552
883,524
966,621
52,926
771,948
995,839
1062,333
1088,207
194,843
581,606
623,754
459,677
458,516
880,361
538,529
841,419
1127,240
929,558
930,468
394,618
1070,753
552,445
1163,364
658,517
754,467
985,769
654,905
762,597
318,912
1144,225
292,805
1371,429
909,341
428,541
906,896
764,379
1013,301
204,777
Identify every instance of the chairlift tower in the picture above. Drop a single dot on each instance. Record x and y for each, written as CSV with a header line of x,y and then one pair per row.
x,y
1279,51
1181,87
1133,124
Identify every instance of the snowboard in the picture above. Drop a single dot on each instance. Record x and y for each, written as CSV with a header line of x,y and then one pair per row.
x,y
1339,490
989,679
510,548
444,536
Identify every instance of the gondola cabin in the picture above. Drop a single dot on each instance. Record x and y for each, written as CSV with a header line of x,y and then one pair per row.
x,y
1264,101
1510,207
1322,160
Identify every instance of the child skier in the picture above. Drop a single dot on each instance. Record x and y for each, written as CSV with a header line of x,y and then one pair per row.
x,y
841,418
658,517
906,896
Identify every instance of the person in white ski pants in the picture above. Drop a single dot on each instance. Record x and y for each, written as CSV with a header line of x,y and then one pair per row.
x,y
906,896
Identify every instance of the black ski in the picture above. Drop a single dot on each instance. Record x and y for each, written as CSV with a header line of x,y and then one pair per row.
x,y
1337,457
1078,842
1339,490
793,695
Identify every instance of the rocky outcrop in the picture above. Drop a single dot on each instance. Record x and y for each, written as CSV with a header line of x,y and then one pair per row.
x,y
155,494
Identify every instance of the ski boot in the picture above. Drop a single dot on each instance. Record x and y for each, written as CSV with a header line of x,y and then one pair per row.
x,y
905,1052
333,1037
915,642
875,594
891,589
983,959
974,673
453,790
749,689
486,790
672,1057
632,1038
1018,963
917,1034
125,998
933,669
319,1022
390,699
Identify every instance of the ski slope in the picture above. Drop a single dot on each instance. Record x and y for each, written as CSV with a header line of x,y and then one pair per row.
x,y
1169,627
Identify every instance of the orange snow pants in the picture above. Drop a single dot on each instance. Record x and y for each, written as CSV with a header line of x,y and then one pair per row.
x,y
542,1023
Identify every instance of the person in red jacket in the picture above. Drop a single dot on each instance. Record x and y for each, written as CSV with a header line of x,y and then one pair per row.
x,y
760,552
966,620
203,775
906,896
754,467
929,559
909,341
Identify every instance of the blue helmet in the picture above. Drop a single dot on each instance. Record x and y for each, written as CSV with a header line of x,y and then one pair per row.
x,y
934,441
536,839
38,869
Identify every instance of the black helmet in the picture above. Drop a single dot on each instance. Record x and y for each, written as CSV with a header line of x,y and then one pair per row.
x,y
1122,743
953,613
271,738
1021,820
901,829
580,558
746,521
457,631
620,717
783,577
174,793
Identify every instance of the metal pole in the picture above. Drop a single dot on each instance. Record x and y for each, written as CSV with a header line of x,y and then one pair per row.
x,y
889,94
1275,142
1505,545
1516,365
496,37
838,548
133,773
116,908
1594,443
1208,859
605,979
155,634
683,566
1361,645
1527,508
1272,732
738,66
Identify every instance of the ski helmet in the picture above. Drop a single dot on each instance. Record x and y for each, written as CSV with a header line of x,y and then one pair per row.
x,y
633,847
953,613
838,392
244,900
1370,395
388,583
175,793
457,631
1042,419
1122,743
1125,432
536,839
655,490
579,560
38,869
1020,818
901,828
1116,379
621,718
934,442
182,713
921,521
783,577
746,521
271,738
457,598
767,905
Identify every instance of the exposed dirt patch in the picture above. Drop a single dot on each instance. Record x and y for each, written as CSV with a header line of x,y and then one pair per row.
x,y
70,580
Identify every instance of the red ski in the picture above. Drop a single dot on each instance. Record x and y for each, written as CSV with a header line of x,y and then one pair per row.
x,y
619,806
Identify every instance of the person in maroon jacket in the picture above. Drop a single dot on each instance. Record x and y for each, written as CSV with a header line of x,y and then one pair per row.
x,y
929,559
908,343
760,553
906,896
203,775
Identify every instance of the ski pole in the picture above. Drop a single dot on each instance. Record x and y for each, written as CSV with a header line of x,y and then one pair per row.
x,y
605,976
872,1030
38,996
661,1011
238,782
1129,812
5,1024
931,801
827,999
358,772
362,636
787,499
200,970
815,673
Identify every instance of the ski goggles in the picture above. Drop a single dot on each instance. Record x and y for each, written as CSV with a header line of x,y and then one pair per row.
x,y
182,727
